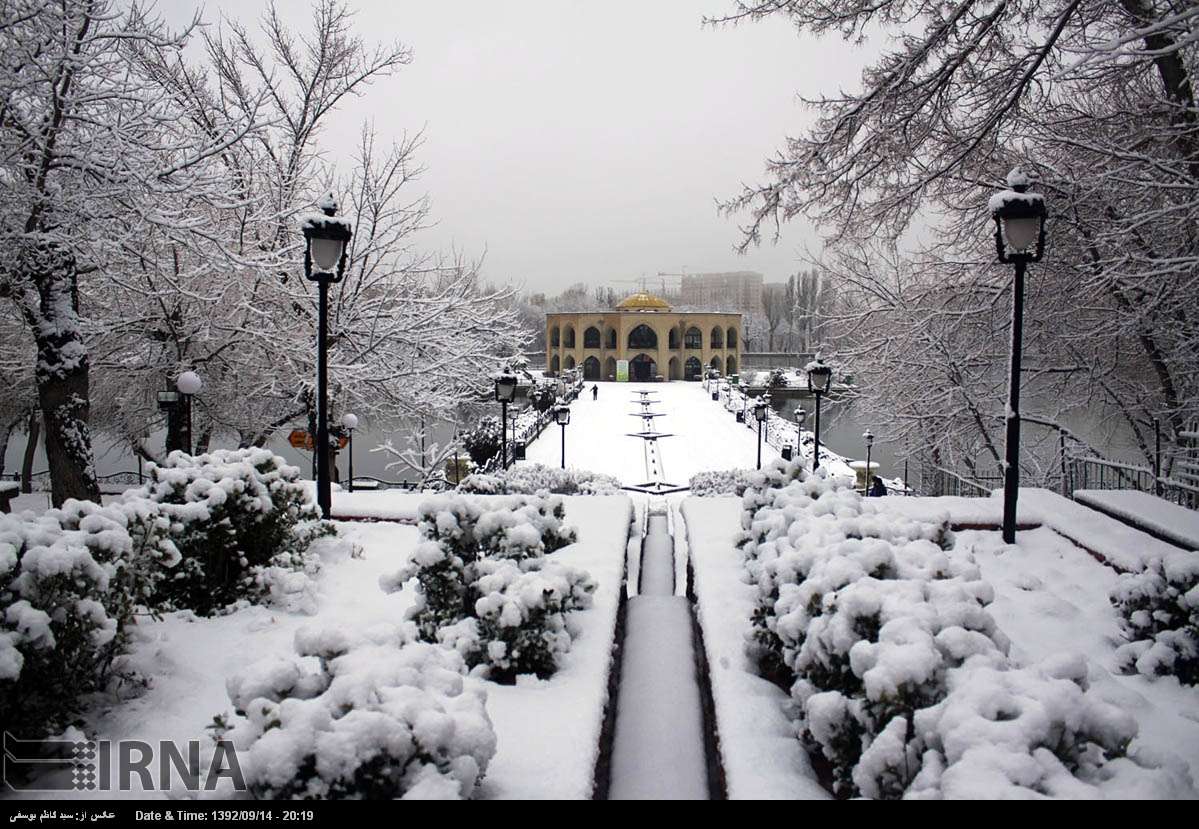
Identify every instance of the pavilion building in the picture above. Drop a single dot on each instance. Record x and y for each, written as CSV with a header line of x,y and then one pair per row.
x,y
643,339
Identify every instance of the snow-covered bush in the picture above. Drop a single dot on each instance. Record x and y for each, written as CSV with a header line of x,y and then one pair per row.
x,y
543,395
482,443
485,587
885,644
244,524
71,580
376,717
1160,612
532,478
720,482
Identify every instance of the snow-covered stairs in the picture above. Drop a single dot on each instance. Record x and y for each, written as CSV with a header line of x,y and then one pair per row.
x,y
658,741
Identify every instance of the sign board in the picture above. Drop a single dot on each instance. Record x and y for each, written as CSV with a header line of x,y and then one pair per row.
x,y
622,371
300,439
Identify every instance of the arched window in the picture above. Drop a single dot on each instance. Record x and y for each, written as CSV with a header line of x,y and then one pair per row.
x,y
611,339
568,337
673,337
554,364
591,338
730,366
714,364
732,338
643,337
555,336
717,337
693,339
693,370
591,369
569,363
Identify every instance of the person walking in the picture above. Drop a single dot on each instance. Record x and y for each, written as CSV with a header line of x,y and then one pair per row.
x,y
595,391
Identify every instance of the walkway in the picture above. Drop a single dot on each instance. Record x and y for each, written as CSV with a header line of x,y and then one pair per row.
x,y
704,435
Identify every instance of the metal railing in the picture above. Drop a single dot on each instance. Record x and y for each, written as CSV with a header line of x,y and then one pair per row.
x,y
1087,472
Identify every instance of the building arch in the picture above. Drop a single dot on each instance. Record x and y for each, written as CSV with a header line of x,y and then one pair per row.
x,y
591,337
673,368
715,363
568,337
718,337
568,363
643,337
591,368
692,370
642,368
672,340
730,366
610,368
554,364
555,336
693,339
611,339
731,339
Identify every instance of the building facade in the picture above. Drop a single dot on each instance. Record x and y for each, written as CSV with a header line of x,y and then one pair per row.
x,y
656,341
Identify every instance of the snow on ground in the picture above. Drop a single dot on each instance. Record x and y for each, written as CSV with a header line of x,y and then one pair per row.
x,y
1174,523
762,757
704,435
548,731
1052,597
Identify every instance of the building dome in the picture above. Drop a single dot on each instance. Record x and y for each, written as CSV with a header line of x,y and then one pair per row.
x,y
642,301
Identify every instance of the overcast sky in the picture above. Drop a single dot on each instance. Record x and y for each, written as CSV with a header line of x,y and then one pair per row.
x,y
586,141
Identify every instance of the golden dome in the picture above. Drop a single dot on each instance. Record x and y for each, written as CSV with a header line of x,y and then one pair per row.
x,y
642,301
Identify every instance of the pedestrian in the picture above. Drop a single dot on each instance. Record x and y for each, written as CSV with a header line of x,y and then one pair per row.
x,y
878,489
595,391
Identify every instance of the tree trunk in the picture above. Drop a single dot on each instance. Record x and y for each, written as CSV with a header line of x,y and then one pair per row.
x,y
35,432
51,305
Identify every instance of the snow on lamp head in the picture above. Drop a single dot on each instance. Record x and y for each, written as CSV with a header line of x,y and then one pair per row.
x,y
760,409
189,383
820,376
868,436
505,388
326,237
562,415
349,421
1019,220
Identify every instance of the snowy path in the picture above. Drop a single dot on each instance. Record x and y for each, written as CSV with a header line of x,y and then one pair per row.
x,y
703,435
658,744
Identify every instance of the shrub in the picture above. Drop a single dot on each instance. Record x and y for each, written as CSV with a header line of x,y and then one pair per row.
x,y
723,482
1160,613
376,718
485,588
886,646
482,443
532,478
71,581
243,522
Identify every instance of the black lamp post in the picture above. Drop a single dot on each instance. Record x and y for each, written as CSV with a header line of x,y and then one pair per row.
x,y
868,436
505,392
188,383
1019,239
761,408
562,416
349,422
820,380
326,239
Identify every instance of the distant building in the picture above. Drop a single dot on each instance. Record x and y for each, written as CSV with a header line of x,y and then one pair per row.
x,y
734,291
643,330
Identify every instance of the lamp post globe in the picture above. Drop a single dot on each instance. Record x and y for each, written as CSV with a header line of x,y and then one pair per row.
x,y
187,384
326,243
1019,239
349,422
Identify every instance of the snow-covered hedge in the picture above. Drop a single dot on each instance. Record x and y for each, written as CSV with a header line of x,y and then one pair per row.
x,y
532,478
485,588
720,482
1160,609
899,677
244,525
378,716
483,442
71,579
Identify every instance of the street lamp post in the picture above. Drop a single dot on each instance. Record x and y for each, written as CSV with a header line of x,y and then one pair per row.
x,y
188,383
820,379
801,417
562,416
868,436
1019,239
505,393
349,422
761,409
326,240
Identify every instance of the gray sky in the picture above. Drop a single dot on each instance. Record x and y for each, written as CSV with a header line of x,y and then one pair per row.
x,y
586,141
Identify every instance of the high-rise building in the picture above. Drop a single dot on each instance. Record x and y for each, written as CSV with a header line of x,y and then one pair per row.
x,y
730,291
